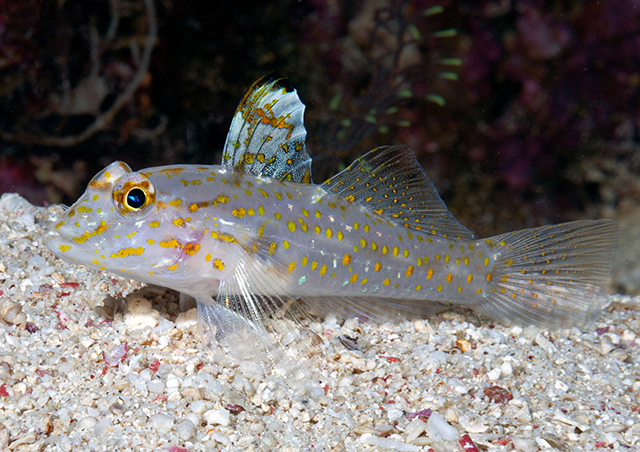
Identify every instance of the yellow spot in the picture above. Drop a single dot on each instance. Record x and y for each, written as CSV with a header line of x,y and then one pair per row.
x,y
191,248
346,259
469,278
318,214
263,193
419,261
277,216
430,273
261,210
218,264
446,258
95,197
488,277
340,235
124,252
329,233
241,212
449,277
178,222
366,228
251,212
385,250
292,266
317,228
459,289
405,253
151,241
154,224
221,199
386,282
363,243
439,289
305,212
314,265
418,287
173,267
247,192
396,250
323,270
173,243
285,244
175,202
208,257
409,271
437,257
132,235
486,261
374,246
353,278
466,261
377,267
305,260
355,225
95,261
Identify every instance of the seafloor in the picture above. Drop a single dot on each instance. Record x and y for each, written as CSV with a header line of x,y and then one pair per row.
x,y
88,362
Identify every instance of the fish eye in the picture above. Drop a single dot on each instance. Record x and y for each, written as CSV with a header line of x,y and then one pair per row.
x,y
133,194
136,199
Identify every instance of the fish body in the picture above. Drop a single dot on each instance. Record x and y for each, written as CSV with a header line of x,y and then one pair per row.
x,y
247,236
207,219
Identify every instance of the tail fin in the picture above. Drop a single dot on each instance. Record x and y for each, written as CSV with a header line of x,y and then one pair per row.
x,y
552,276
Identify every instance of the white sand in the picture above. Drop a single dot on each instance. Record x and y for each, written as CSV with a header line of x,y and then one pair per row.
x,y
65,383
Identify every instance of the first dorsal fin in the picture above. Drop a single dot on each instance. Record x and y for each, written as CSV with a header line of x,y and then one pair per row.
x,y
390,181
267,134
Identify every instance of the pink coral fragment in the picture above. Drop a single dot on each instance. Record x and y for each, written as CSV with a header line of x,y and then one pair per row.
x,y
117,355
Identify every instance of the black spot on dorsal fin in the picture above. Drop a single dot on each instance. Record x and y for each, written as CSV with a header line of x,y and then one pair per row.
x,y
267,134
390,181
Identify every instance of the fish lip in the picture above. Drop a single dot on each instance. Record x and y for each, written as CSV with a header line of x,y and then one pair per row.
x,y
76,254
55,240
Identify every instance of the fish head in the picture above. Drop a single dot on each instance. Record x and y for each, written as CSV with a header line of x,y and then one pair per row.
x,y
124,224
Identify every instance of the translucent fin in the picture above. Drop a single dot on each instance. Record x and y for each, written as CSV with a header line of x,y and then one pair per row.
x,y
252,326
552,276
267,134
390,181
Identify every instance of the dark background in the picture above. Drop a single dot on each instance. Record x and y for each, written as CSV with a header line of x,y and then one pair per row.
x,y
523,112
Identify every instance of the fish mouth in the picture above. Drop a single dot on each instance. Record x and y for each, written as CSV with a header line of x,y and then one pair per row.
x,y
67,249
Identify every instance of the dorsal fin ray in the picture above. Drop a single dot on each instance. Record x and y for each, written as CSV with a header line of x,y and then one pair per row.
x,y
390,181
267,133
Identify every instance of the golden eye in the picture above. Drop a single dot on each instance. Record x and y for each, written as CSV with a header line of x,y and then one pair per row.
x,y
133,194
136,199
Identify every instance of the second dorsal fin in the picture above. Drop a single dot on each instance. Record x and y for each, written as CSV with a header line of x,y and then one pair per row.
x,y
267,134
390,181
